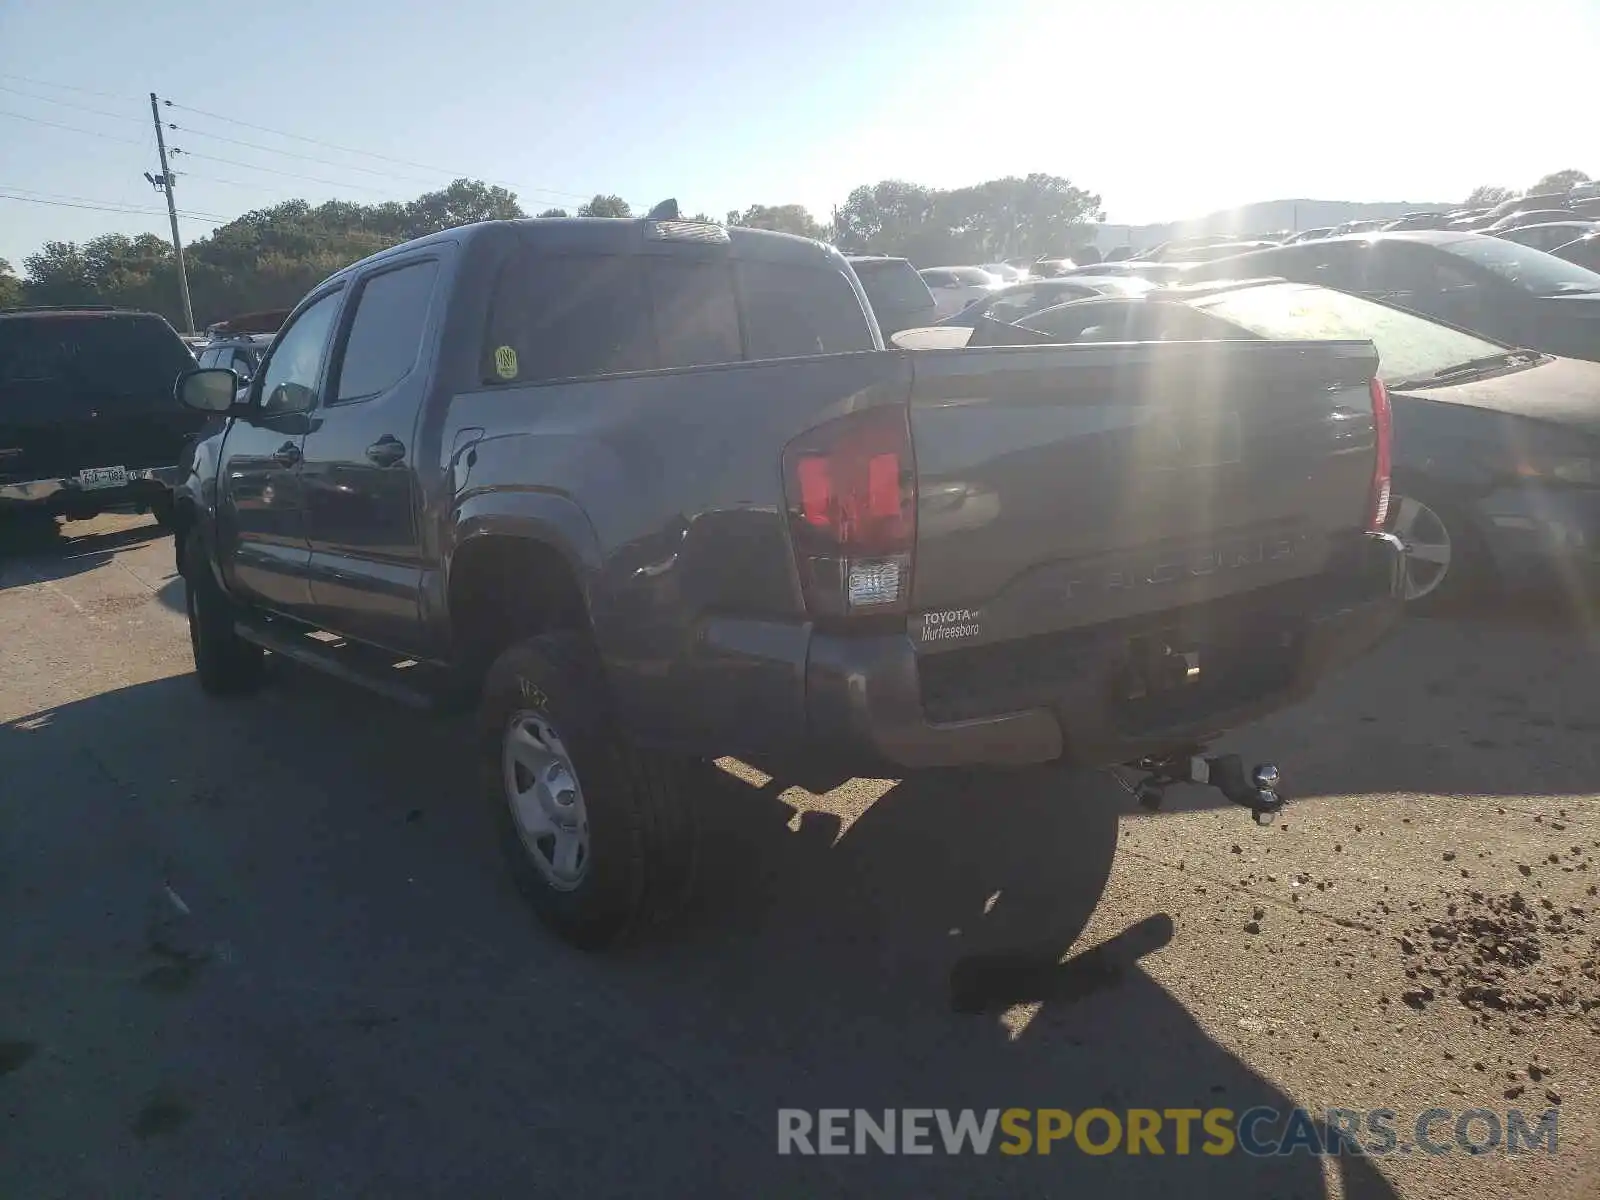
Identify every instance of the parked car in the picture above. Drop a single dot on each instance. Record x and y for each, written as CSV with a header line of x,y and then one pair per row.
x,y
1363,226
1183,249
653,491
1586,210
1050,268
1495,288
1132,268
1585,251
1005,272
88,421
899,298
1536,216
1308,235
1497,450
239,353
1548,236
1217,250
954,288
1484,219
1589,190
1020,299
1418,220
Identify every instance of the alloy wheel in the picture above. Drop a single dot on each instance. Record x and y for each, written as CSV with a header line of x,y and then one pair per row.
x,y
1428,547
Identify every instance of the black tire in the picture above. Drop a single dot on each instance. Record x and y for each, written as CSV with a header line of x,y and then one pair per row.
x,y
225,663
639,864
1469,569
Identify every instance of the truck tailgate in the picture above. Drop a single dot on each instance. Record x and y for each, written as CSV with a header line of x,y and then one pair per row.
x,y
1064,486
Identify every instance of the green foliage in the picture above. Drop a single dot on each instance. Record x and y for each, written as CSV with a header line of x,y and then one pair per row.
x,y
605,206
11,293
1558,181
1002,218
784,218
270,257
265,259
1488,195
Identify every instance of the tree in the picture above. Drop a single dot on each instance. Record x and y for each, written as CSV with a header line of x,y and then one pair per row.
x,y
1487,196
605,206
1558,181
554,212
11,294
1001,218
267,258
784,218
462,203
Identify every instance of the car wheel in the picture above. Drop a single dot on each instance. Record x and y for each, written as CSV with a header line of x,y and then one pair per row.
x,y
225,663
1443,557
597,834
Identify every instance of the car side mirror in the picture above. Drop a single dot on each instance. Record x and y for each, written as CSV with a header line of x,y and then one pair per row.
x,y
207,389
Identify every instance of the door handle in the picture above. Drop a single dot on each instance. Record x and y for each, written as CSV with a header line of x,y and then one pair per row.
x,y
286,455
386,451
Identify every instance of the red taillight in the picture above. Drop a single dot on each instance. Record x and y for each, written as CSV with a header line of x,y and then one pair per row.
x,y
851,486
1383,462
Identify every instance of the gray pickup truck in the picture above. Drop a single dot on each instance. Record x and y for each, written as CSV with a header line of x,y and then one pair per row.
x,y
652,491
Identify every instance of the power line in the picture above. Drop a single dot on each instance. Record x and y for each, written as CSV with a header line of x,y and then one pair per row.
x,y
66,87
275,171
122,210
71,128
366,153
68,104
306,157
188,212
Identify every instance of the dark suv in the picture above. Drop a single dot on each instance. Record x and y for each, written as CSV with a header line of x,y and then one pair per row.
x,y
88,421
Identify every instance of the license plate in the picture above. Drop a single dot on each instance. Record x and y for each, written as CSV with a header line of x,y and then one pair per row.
x,y
102,477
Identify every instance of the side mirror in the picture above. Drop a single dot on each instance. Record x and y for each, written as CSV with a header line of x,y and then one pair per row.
x,y
208,389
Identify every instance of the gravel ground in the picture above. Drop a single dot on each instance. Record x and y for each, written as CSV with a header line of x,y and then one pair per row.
x,y
265,948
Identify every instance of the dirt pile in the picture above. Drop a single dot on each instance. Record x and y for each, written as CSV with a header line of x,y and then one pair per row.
x,y
1505,956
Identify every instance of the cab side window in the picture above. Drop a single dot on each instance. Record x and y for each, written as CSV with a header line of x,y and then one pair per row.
x,y
293,373
386,334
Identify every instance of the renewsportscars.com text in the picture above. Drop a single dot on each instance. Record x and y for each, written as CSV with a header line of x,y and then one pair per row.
x,y
1257,1131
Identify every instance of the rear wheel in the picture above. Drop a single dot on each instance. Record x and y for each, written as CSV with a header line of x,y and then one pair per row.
x,y
597,834
1444,558
225,663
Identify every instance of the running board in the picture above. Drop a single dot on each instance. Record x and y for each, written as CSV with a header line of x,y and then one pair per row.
x,y
332,655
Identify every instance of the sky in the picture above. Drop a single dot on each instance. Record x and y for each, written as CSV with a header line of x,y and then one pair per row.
x,y
1168,110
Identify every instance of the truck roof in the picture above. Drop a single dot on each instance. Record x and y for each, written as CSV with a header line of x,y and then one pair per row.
x,y
622,235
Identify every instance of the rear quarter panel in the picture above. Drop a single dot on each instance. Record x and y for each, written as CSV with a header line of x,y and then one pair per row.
x,y
669,489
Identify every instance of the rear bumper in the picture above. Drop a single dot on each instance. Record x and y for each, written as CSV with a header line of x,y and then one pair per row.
x,y
66,495
877,701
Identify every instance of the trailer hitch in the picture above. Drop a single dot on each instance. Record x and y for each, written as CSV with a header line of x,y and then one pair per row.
x,y
1260,792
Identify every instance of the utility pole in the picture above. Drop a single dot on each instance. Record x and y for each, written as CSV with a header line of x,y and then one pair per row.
x,y
163,182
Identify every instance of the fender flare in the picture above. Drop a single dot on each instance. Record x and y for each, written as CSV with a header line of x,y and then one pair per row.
x,y
548,518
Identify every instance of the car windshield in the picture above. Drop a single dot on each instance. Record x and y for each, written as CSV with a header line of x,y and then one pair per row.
x,y
893,286
1527,268
1409,346
970,276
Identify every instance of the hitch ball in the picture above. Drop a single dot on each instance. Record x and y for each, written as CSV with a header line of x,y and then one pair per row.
x,y
1265,777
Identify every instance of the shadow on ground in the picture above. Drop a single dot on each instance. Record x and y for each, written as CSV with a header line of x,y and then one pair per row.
x,y
35,550
343,995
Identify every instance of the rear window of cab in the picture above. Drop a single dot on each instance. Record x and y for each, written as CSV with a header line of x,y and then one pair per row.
x,y
558,317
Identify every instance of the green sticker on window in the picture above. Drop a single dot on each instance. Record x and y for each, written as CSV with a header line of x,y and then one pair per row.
x,y
505,362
